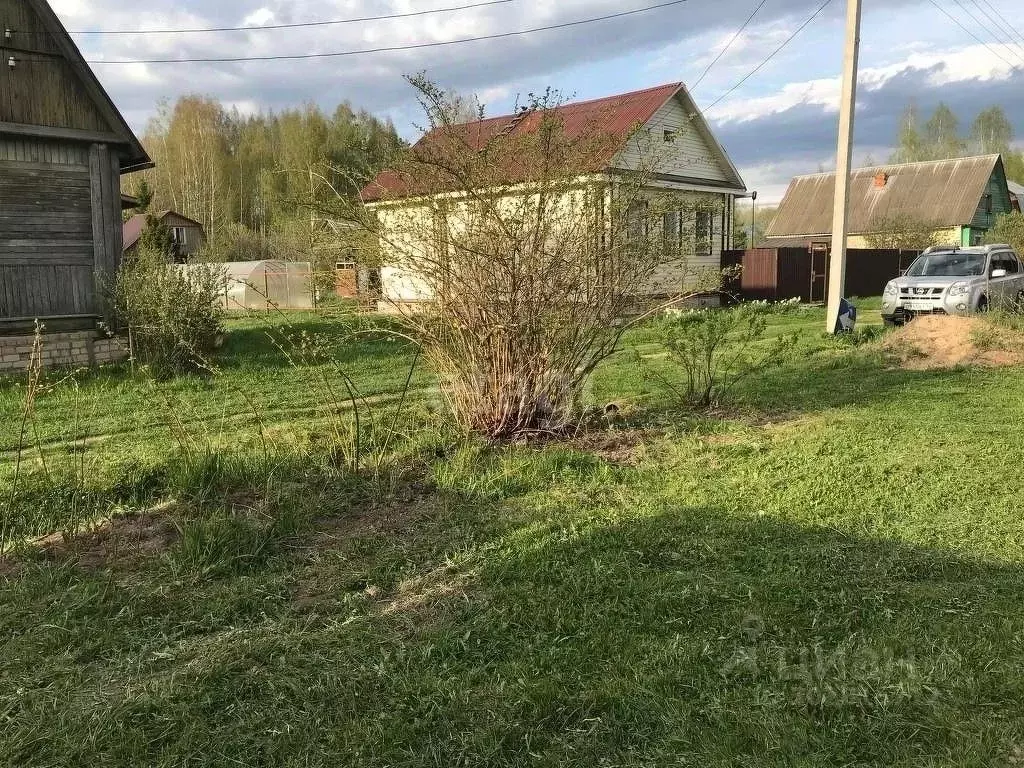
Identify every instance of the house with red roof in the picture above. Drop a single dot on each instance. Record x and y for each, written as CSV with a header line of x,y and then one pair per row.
x,y
187,236
658,129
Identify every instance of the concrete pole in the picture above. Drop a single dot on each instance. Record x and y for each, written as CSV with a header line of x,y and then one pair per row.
x,y
753,218
837,260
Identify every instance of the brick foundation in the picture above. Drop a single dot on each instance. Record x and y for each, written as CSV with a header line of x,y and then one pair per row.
x,y
74,349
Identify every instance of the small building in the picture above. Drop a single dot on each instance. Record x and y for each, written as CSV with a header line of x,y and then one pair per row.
x,y
187,237
63,149
956,200
1016,195
663,120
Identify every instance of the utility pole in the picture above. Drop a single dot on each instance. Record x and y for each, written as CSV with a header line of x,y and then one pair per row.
x,y
837,260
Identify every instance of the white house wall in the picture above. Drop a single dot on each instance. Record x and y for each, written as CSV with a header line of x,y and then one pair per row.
x,y
697,271
403,244
689,154
399,246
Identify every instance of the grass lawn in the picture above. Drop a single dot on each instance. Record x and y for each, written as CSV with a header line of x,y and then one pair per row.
x,y
829,573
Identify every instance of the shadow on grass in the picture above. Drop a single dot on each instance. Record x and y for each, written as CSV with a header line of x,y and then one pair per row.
x,y
657,634
858,378
344,340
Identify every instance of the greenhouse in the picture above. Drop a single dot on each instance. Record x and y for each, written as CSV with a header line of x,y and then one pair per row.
x,y
266,284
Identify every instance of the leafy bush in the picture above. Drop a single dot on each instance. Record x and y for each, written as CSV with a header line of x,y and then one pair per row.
x,y
174,318
1009,228
718,348
903,231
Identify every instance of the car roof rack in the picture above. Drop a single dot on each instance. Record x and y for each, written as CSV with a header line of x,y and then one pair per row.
x,y
972,248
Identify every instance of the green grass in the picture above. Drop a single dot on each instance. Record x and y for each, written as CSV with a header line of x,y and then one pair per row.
x,y
828,574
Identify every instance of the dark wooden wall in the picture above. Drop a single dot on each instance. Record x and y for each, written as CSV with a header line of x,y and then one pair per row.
x,y
194,237
43,88
60,230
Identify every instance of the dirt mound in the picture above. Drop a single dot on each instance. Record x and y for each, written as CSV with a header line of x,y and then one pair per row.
x,y
941,341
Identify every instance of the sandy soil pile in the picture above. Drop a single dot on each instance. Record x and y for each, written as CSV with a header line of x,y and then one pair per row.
x,y
940,341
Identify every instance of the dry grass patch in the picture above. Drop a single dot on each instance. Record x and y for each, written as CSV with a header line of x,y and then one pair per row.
x,y
122,542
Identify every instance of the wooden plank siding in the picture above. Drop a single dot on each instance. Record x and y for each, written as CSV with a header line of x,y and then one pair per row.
x,y
43,88
63,147
688,154
60,229
994,202
105,175
46,238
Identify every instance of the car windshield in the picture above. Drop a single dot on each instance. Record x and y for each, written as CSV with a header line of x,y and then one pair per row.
x,y
957,264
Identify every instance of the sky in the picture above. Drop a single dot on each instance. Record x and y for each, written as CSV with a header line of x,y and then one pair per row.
x,y
779,123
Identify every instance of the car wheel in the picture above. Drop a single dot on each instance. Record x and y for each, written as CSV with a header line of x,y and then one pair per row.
x,y
1018,304
983,304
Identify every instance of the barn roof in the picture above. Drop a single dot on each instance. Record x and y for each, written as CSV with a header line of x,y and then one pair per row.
x,y
614,118
136,225
136,158
944,192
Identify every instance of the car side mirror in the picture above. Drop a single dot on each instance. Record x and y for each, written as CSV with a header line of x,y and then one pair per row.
x,y
998,273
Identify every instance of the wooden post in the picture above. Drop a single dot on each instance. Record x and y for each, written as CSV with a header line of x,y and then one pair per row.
x,y
105,200
847,108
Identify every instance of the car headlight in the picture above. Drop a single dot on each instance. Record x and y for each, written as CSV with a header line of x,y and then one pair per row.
x,y
959,289
890,289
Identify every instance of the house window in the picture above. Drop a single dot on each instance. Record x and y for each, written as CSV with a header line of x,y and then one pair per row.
x,y
178,235
988,204
670,231
636,221
702,233
669,137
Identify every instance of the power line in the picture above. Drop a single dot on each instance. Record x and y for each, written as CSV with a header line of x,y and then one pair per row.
x,y
288,26
391,48
1009,34
1013,32
969,32
770,56
728,45
981,24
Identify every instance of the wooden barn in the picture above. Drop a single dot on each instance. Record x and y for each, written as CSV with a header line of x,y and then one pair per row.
x,y
63,149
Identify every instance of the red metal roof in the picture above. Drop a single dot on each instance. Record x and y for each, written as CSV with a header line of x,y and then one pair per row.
x,y
614,117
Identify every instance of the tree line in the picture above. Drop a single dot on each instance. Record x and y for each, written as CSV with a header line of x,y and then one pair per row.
x,y
254,181
940,138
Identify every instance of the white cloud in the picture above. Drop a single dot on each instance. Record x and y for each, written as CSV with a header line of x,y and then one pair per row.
x,y
971,63
259,18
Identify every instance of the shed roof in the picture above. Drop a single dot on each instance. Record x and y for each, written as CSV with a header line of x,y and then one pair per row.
x,y
944,192
612,117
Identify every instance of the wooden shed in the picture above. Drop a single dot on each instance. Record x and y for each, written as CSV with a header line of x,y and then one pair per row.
x,y
187,235
63,148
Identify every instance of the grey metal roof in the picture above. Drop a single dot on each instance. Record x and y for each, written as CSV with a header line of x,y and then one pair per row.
x,y
945,192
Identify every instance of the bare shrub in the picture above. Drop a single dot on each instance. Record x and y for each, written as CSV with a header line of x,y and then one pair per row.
x,y
521,264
